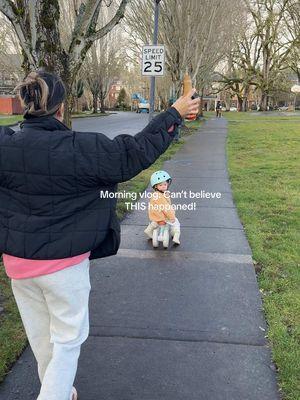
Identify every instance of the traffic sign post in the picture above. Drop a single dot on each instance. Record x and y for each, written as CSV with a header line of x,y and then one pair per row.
x,y
152,83
153,60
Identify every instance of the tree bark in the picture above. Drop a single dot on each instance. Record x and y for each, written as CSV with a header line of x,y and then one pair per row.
x,y
200,114
95,104
245,104
239,103
227,101
263,106
69,104
102,107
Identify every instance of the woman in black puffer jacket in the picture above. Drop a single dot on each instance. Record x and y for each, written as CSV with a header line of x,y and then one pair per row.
x,y
53,221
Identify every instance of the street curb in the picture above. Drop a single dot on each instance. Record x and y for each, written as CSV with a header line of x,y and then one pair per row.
x,y
93,115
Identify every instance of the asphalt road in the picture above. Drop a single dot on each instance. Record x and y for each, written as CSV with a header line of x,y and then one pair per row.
x,y
112,125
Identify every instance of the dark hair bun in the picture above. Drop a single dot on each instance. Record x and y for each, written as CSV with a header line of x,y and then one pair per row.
x,y
41,93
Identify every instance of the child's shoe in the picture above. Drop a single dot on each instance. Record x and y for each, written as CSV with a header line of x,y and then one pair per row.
x,y
176,237
150,228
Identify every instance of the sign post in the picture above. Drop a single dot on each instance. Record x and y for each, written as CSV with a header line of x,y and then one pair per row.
x,y
152,83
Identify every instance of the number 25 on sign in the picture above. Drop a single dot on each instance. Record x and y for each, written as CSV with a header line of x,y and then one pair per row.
x,y
153,60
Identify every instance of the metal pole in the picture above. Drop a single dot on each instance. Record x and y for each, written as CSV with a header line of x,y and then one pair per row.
x,y
152,79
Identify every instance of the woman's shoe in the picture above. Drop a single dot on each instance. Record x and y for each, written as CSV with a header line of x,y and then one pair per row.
x,y
74,394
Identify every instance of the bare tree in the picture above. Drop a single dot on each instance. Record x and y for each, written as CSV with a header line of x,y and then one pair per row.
x,y
242,67
37,25
267,46
195,34
269,17
103,64
10,51
292,22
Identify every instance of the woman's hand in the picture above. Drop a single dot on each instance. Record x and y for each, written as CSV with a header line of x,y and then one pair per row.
x,y
186,106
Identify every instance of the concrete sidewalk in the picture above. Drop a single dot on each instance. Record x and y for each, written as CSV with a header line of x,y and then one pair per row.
x,y
183,324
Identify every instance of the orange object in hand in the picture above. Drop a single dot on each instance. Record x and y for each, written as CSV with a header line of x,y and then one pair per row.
x,y
187,87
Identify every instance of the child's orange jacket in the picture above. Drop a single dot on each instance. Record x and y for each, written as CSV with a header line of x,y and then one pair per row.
x,y
159,208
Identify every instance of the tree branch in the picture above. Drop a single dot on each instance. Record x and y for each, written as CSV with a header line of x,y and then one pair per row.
x,y
108,27
7,7
32,21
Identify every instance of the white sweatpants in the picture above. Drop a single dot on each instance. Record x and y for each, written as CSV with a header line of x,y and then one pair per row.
x,y
55,313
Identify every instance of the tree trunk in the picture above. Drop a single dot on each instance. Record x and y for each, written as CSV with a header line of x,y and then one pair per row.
x,y
178,86
227,101
69,104
263,106
239,103
245,104
102,107
69,100
200,114
95,104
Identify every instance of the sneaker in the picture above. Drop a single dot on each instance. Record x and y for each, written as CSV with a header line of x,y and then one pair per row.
x,y
74,395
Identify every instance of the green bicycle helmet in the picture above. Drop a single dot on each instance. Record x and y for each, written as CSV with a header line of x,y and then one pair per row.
x,y
159,177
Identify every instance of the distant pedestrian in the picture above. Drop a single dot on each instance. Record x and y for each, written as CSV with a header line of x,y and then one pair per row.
x,y
53,221
219,109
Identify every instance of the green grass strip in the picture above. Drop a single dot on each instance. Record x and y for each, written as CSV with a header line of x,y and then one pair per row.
x,y
263,155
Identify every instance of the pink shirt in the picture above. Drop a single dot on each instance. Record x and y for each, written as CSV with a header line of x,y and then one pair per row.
x,y
20,268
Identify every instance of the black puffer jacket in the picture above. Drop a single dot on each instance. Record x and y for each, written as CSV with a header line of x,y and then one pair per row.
x,y
50,180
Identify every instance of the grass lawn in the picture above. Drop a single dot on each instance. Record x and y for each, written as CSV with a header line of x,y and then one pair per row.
x,y
12,336
14,119
263,157
10,119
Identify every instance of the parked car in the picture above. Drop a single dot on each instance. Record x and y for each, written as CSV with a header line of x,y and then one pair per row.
x,y
283,108
143,108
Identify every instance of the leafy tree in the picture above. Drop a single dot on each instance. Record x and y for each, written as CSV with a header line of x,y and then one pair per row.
x,y
122,99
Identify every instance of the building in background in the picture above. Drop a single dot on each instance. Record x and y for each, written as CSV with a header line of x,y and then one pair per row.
x,y
113,93
10,75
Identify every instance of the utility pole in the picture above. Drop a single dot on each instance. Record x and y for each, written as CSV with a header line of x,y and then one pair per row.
x,y
152,79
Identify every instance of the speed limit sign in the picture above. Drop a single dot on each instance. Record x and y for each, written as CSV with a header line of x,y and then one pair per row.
x,y
153,60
